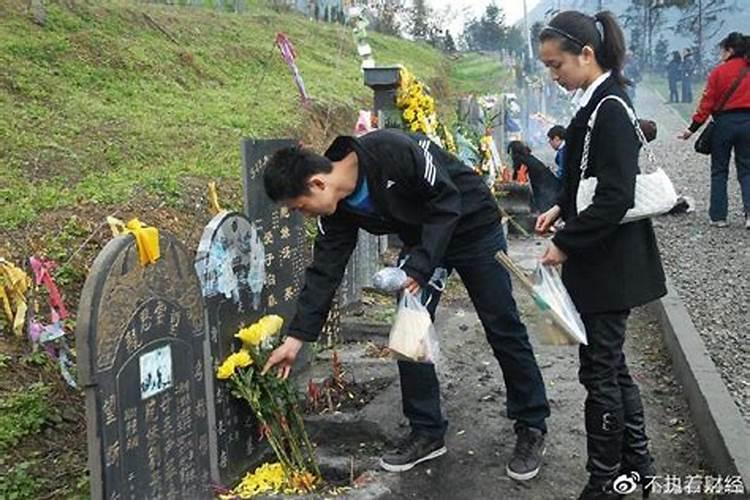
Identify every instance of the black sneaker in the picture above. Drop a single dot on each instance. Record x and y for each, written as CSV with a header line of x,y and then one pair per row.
x,y
527,454
603,491
414,449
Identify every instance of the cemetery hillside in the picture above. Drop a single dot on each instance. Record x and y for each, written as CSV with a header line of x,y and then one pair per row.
x,y
127,109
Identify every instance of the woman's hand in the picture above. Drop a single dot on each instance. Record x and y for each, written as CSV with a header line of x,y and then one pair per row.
x,y
685,135
553,256
545,220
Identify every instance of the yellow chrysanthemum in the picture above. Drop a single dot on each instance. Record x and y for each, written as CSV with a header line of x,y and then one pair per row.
x,y
251,336
241,358
271,324
226,369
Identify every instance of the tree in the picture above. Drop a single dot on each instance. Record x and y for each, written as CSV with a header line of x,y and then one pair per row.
x,y
388,15
491,33
449,45
701,20
646,16
419,24
660,55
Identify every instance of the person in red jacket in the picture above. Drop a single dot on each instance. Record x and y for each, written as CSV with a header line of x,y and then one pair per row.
x,y
732,124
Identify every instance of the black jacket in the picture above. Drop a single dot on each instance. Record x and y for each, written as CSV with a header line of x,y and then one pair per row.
x,y
610,266
422,193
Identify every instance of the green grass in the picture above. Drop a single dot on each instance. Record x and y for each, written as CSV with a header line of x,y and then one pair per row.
x,y
475,73
22,413
660,85
99,101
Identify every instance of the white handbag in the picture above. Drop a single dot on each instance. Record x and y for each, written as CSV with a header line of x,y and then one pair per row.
x,y
654,192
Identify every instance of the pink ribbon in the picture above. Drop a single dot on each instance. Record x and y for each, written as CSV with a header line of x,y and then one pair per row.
x,y
289,54
42,275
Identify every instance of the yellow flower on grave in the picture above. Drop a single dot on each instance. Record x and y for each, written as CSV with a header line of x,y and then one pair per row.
x,y
226,369
251,335
265,479
271,324
241,358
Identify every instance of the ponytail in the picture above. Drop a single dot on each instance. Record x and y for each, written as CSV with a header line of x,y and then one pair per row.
x,y
575,30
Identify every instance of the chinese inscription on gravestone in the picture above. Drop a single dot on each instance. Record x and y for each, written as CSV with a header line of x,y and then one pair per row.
x,y
281,231
140,337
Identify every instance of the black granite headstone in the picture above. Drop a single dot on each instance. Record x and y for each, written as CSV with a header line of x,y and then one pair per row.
x,y
230,264
281,231
141,353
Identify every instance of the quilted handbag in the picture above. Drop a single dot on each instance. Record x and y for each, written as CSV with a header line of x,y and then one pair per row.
x,y
654,192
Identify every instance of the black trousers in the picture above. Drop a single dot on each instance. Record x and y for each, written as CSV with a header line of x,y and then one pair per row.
x,y
489,287
615,429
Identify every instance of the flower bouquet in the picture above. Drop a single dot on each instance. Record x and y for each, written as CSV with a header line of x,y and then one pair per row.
x,y
274,402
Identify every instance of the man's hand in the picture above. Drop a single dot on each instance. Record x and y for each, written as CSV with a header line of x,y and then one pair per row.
x,y
412,286
553,256
545,220
685,135
283,357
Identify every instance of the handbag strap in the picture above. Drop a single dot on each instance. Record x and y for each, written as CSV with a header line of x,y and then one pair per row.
x,y
732,89
633,119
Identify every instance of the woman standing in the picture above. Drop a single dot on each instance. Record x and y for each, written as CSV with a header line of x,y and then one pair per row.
x,y
731,114
674,75
608,267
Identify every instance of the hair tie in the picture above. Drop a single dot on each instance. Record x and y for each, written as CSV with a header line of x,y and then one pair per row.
x,y
599,25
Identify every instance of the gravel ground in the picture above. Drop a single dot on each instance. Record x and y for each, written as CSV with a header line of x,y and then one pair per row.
x,y
710,267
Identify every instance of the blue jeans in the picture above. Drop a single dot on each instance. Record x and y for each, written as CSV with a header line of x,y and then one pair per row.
x,y
489,287
732,131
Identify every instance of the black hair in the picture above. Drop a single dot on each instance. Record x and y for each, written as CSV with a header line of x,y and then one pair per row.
x,y
556,131
519,152
737,42
286,173
575,30
676,56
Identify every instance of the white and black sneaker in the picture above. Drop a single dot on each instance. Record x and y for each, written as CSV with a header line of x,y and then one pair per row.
x,y
527,454
414,449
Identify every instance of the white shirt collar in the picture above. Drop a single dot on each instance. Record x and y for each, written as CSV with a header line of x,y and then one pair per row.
x,y
582,97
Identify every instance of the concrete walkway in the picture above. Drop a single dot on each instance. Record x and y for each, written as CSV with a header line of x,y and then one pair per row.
x,y
480,439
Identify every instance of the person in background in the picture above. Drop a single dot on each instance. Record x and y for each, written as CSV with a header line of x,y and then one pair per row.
x,y
688,69
544,185
732,125
607,267
556,139
632,72
674,75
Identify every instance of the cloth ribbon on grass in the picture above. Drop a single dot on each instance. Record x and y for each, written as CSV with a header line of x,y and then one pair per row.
x,y
14,283
289,54
146,238
42,269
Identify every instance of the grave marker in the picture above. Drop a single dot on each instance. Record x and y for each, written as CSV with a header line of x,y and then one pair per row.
x,y
141,354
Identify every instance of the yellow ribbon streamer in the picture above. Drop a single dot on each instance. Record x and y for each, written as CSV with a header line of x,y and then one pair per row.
x,y
213,199
146,238
13,286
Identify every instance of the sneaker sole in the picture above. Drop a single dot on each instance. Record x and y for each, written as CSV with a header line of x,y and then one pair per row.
x,y
524,477
404,467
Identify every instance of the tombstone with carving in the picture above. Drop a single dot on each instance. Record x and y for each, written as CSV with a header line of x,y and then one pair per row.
x,y
142,360
231,267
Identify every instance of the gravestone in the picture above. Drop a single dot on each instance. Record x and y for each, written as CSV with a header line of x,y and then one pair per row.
x,y
142,360
281,231
230,264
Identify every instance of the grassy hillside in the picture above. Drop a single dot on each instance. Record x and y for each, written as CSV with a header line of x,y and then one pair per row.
x,y
116,107
101,99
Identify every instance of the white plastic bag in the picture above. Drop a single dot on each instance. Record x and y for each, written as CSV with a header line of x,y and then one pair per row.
x,y
389,279
561,322
413,336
